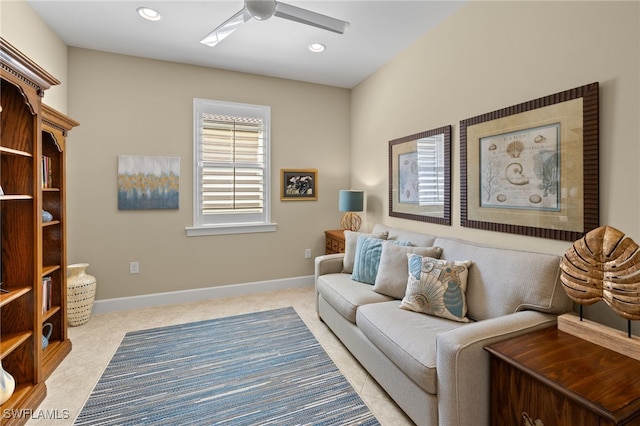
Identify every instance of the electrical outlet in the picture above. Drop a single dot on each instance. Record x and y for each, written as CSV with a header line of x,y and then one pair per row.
x,y
134,267
307,253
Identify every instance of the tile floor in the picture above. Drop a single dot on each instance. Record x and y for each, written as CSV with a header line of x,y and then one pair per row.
x,y
95,342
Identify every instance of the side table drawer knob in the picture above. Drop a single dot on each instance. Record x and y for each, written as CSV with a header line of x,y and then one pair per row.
x,y
528,421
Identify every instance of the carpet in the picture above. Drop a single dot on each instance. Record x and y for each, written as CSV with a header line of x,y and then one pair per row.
x,y
263,368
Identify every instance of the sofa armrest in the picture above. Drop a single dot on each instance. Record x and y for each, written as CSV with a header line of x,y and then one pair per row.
x,y
462,364
328,264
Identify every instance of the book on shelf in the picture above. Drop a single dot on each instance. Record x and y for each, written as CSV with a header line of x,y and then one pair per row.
x,y
47,172
46,294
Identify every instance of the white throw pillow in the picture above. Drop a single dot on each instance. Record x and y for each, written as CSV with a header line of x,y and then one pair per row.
x,y
393,270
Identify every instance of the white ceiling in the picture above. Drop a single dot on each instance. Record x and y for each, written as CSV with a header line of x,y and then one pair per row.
x,y
378,31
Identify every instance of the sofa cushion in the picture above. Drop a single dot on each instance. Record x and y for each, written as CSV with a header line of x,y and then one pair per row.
x,y
346,295
393,271
504,281
367,259
418,239
350,244
395,332
437,287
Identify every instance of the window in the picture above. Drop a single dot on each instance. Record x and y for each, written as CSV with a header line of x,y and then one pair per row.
x,y
231,178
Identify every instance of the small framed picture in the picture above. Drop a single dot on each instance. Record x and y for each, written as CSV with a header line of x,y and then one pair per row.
x,y
298,184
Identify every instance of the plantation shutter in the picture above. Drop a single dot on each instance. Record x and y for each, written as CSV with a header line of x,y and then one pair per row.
x,y
233,175
431,171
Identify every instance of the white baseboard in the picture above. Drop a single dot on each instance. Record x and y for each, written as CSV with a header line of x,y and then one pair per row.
x,y
194,295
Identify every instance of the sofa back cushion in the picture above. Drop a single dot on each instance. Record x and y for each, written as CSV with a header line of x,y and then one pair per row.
x,y
504,281
415,238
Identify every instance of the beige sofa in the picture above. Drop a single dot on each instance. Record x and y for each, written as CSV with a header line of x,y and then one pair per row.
x,y
436,369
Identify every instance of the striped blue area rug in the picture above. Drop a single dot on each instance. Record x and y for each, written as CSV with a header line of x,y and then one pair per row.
x,y
263,368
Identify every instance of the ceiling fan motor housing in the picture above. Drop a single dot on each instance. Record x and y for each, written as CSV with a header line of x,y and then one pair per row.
x,y
261,9
265,9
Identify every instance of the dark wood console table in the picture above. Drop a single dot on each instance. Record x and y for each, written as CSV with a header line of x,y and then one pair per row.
x,y
552,378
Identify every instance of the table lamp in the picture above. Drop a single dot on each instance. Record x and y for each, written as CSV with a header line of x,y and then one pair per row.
x,y
350,201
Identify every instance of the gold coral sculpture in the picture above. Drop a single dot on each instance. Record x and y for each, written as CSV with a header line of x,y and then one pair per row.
x,y
604,265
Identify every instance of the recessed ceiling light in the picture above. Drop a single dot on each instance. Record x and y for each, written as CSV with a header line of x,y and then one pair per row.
x,y
149,14
316,47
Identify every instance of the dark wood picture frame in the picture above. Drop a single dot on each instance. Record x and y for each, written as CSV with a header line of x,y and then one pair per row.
x,y
575,113
417,212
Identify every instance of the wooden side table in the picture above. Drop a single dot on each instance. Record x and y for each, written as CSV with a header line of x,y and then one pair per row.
x,y
552,378
335,241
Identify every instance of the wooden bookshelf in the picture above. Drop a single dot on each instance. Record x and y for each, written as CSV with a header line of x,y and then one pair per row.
x,y
30,249
55,127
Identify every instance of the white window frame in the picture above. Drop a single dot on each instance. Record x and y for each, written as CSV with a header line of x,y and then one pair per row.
x,y
230,223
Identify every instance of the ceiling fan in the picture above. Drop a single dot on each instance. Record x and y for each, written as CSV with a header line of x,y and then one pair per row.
x,y
265,9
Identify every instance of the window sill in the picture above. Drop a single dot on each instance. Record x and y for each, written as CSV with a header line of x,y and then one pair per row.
x,y
230,229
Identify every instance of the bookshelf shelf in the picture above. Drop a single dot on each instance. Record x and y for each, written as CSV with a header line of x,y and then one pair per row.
x,y
12,341
50,313
8,151
9,197
13,294
48,269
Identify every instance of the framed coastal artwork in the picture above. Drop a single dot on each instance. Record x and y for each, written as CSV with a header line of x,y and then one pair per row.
x,y
420,176
532,168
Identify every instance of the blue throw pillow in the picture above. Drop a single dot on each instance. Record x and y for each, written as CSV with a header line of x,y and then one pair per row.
x,y
367,258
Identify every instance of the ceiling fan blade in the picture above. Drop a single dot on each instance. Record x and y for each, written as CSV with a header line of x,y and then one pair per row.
x,y
304,16
229,26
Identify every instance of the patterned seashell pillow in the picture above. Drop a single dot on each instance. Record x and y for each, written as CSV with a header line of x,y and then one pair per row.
x,y
437,287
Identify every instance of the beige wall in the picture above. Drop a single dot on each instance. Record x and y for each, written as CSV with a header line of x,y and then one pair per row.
x,y
128,105
20,26
135,106
492,55
487,56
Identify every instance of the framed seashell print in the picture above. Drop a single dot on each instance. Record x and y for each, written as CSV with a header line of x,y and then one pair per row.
x,y
420,176
532,168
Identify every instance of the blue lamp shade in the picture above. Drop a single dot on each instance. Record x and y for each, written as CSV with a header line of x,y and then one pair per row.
x,y
350,201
